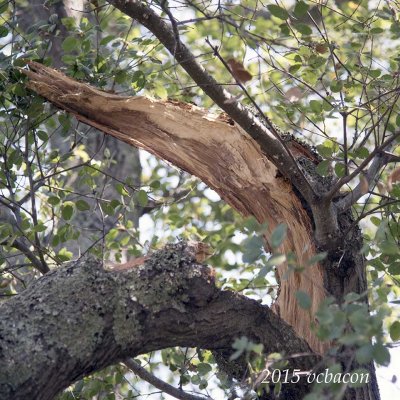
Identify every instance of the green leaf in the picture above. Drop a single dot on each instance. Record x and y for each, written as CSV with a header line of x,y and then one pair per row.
x,y
64,255
325,151
389,247
161,92
278,235
394,269
294,68
278,12
374,73
398,120
316,106
142,198
375,220
252,249
336,86
138,80
39,228
3,31
155,184
304,29
203,368
375,31
107,40
4,6
121,189
42,135
67,211
300,9
323,168
68,22
362,152
70,44
340,169
25,224
303,299
364,354
82,205
53,200
395,331
275,260
381,354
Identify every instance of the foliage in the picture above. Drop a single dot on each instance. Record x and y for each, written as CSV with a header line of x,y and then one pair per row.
x,y
329,74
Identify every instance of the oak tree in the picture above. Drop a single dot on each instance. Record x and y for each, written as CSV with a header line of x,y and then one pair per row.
x,y
288,111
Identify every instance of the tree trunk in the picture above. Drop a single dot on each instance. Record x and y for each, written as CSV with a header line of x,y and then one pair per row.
x,y
235,165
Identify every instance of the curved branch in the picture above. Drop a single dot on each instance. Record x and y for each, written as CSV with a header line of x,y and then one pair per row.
x,y
379,161
81,318
219,152
378,158
272,145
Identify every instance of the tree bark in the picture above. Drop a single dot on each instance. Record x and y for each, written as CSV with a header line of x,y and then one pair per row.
x,y
222,154
218,151
81,318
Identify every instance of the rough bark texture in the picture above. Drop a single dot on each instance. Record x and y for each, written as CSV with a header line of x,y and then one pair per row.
x,y
82,318
232,162
219,152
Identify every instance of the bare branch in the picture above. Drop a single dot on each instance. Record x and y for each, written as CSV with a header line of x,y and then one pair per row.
x,y
159,384
391,157
6,216
19,245
380,161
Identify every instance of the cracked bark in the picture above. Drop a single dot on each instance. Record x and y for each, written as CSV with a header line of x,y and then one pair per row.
x,y
216,150
234,164
82,318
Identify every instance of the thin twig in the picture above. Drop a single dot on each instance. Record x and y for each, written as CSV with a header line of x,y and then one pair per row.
x,y
159,384
376,152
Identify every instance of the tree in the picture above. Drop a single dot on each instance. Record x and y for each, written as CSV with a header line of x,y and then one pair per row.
x,y
303,203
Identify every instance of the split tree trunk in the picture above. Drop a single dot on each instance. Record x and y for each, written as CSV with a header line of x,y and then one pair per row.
x,y
215,149
231,162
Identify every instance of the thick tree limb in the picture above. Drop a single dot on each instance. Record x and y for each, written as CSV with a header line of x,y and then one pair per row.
x,y
218,151
269,139
81,318
270,143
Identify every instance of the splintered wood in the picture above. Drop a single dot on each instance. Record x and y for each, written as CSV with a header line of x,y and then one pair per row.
x,y
217,151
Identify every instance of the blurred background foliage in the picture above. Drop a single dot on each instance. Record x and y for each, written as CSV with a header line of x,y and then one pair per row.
x,y
328,73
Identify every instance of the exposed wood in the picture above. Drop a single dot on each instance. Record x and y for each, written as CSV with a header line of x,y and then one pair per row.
x,y
219,152
80,318
262,131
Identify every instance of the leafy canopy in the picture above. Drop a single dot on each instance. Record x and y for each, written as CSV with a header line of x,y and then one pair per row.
x,y
328,73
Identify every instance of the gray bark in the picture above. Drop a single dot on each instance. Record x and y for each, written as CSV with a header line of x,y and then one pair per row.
x,y
80,318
